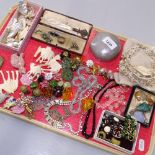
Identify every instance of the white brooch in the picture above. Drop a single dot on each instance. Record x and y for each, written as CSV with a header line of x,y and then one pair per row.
x,y
10,84
46,54
54,65
48,59
35,71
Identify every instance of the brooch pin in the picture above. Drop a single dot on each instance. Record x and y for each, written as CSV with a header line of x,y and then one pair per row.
x,y
46,54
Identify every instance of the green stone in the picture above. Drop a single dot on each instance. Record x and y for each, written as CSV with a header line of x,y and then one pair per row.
x,y
53,83
144,107
24,89
1,61
37,92
34,85
46,37
66,63
67,74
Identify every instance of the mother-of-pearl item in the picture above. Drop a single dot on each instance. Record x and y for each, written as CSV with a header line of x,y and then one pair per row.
x,y
14,28
49,59
23,9
35,71
105,46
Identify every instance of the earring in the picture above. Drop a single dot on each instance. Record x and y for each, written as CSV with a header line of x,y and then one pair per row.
x,y
44,36
74,45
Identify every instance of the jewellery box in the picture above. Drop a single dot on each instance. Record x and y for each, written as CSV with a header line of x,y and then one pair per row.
x,y
141,105
62,31
120,143
37,13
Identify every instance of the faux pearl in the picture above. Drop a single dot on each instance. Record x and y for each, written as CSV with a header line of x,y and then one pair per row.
x,y
116,119
107,129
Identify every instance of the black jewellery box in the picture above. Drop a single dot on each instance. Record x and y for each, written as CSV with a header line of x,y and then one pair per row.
x,y
141,105
115,131
62,31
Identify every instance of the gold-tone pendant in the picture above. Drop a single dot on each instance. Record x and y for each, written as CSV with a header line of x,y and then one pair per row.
x,y
138,95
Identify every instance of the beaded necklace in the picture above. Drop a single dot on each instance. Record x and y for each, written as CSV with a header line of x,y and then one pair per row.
x,y
110,84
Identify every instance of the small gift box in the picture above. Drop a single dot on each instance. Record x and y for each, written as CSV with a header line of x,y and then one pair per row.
x,y
21,26
118,132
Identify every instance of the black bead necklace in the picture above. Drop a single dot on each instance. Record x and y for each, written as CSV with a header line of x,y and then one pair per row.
x,y
110,84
